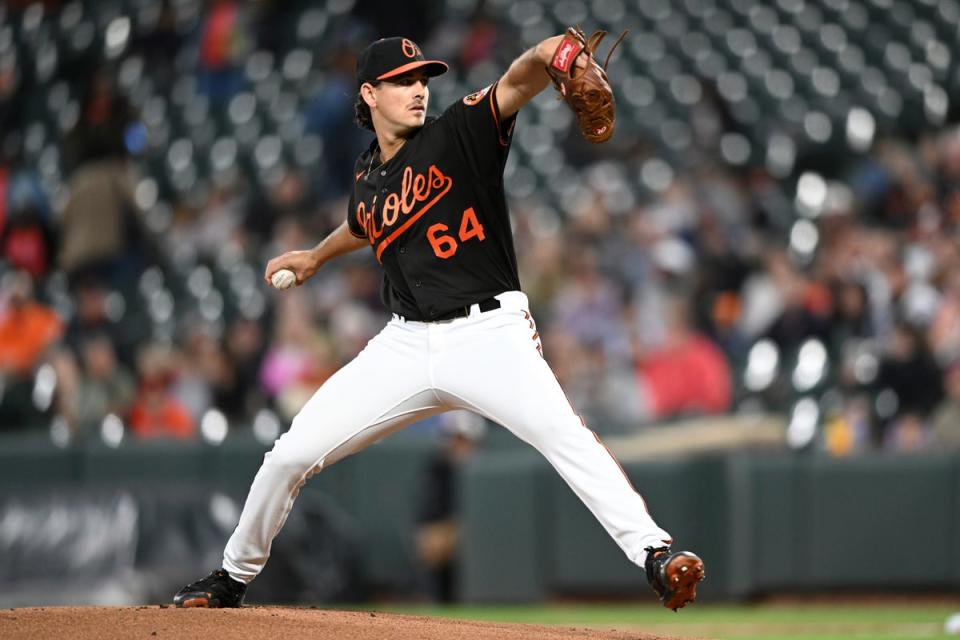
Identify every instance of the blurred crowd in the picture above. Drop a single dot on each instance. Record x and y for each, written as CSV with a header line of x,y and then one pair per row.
x,y
132,292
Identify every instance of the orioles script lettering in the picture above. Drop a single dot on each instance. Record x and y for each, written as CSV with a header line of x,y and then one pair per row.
x,y
418,192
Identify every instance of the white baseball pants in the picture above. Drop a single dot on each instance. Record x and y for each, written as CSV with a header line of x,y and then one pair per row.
x,y
489,363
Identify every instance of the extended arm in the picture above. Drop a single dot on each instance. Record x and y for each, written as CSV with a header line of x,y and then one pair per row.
x,y
569,61
306,263
526,77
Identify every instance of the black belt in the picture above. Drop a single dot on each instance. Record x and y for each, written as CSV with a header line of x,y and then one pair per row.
x,y
460,312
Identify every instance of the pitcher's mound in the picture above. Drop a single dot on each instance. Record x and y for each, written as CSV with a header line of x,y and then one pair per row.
x,y
261,623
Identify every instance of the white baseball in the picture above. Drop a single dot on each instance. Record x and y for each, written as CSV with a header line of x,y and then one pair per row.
x,y
952,626
283,279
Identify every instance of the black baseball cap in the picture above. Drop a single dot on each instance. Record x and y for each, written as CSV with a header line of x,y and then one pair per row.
x,y
390,57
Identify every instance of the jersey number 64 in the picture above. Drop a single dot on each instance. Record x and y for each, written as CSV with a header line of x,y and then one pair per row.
x,y
444,246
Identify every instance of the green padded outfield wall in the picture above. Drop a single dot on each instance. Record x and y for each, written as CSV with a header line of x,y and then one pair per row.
x,y
763,522
795,520
529,536
378,490
507,522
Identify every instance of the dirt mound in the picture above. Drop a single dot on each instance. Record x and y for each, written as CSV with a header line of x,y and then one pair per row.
x,y
260,623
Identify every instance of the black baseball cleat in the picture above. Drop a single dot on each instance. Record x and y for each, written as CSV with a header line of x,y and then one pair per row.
x,y
674,575
217,591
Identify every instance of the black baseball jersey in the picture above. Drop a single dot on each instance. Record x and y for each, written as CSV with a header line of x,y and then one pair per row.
x,y
435,214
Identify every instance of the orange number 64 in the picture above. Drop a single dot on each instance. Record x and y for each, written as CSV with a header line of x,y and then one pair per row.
x,y
444,246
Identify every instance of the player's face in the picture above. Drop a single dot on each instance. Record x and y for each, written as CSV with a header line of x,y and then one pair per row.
x,y
402,102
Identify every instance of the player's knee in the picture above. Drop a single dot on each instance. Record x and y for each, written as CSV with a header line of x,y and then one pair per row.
x,y
289,460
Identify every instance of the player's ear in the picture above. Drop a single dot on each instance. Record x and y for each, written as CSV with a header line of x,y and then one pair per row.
x,y
368,95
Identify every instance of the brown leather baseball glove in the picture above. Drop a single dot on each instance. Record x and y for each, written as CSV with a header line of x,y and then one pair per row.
x,y
585,86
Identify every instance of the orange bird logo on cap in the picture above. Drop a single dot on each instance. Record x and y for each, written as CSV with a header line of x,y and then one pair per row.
x,y
409,49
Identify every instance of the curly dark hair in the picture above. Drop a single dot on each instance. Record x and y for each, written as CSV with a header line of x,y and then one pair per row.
x,y
362,110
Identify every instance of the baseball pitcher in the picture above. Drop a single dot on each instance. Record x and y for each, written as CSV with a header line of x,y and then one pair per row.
x,y
428,200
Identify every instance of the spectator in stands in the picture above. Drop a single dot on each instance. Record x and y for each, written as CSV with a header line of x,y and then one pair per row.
x,y
851,313
299,359
909,371
720,273
27,239
101,233
907,433
214,374
205,230
438,529
944,331
224,44
330,114
157,35
945,423
848,428
240,396
600,277
100,132
92,315
481,40
10,106
100,225
156,411
288,199
541,262
949,176
28,329
200,366
686,375
805,303
588,304
100,386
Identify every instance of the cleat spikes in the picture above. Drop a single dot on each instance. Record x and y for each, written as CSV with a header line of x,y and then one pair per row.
x,y
674,576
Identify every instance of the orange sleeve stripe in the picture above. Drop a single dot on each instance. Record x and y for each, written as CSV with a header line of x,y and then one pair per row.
x,y
496,114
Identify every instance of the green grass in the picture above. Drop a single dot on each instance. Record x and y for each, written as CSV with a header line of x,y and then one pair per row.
x,y
771,622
